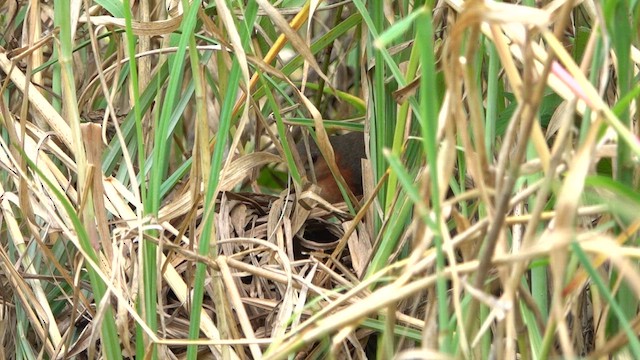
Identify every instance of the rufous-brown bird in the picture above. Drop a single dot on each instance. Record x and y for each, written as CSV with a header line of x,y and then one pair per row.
x,y
349,151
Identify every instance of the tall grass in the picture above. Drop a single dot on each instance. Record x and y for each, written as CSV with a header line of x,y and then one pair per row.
x,y
154,203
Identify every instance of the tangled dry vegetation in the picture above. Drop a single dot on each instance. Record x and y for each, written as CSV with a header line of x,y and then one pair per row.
x,y
158,211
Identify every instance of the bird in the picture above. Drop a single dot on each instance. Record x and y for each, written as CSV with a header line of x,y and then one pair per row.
x,y
349,150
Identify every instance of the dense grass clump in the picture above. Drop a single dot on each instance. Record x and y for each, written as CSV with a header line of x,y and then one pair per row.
x,y
155,203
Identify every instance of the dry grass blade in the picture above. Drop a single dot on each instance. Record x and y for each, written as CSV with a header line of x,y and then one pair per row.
x,y
293,38
43,107
151,28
